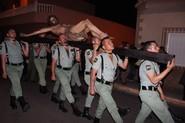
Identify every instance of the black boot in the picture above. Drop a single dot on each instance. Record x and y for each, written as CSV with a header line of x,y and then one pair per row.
x,y
13,102
61,106
96,120
24,105
82,90
43,89
73,90
76,111
54,98
86,113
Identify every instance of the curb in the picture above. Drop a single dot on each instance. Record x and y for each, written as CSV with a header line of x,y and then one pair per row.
x,y
135,92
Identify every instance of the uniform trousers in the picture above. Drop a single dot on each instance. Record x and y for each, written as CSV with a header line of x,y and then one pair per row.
x,y
106,101
75,75
41,65
14,74
89,97
151,102
64,76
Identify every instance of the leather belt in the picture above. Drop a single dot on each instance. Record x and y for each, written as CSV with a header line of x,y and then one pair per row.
x,y
41,57
64,68
103,82
15,64
149,88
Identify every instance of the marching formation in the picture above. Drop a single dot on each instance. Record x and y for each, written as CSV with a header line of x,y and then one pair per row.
x,y
99,72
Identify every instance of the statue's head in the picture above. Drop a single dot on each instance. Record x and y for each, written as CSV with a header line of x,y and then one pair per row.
x,y
52,20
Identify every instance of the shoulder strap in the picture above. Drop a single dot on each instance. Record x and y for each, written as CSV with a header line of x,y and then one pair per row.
x,y
116,58
58,56
6,49
102,66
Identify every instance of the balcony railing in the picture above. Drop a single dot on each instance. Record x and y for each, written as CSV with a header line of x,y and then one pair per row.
x,y
35,7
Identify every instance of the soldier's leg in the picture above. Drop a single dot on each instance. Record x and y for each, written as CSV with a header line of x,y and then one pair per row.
x,y
64,78
14,77
62,99
41,73
44,67
56,88
76,79
100,108
39,68
88,26
161,110
13,97
105,93
75,75
88,100
15,74
143,113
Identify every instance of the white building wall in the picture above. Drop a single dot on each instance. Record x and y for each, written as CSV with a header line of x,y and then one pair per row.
x,y
151,26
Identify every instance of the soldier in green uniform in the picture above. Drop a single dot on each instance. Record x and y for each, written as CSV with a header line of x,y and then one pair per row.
x,y
62,61
151,94
90,55
12,64
40,60
56,87
105,65
75,75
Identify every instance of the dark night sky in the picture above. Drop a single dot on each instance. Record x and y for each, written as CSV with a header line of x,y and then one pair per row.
x,y
121,11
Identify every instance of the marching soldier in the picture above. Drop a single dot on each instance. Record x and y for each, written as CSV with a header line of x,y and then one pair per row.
x,y
56,87
40,60
105,65
90,55
12,64
75,75
151,94
62,61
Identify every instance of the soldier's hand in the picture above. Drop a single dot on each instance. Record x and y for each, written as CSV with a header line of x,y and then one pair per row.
x,y
92,91
53,77
162,97
4,75
171,63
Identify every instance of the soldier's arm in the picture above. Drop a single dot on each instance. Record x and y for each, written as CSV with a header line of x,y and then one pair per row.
x,y
25,48
161,92
53,69
3,60
92,81
124,63
156,78
48,49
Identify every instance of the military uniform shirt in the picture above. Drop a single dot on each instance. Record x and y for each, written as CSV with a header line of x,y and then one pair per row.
x,y
88,55
65,60
110,67
14,51
147,66
42,53
53,47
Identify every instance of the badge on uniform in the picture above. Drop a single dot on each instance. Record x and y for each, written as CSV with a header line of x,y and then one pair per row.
x,y
95,60
148,67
